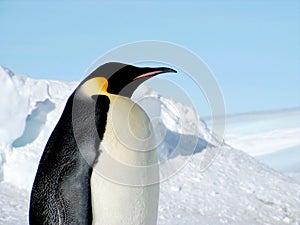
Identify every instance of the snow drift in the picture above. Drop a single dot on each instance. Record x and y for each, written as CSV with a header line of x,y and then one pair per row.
x,y
235,189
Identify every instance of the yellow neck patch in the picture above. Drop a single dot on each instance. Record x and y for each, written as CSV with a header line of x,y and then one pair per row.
x,y
94,86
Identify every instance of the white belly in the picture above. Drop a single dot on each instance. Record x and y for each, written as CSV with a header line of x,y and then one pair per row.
x,y
125,180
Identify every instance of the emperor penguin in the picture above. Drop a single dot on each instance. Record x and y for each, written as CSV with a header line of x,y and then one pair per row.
x,y
100,165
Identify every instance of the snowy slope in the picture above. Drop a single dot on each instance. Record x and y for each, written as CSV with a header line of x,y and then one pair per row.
x,y
235,189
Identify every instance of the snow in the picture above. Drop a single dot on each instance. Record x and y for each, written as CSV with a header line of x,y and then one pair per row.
x,y
235,189
33,109
264,133
271,137
15,103
13,204
286,160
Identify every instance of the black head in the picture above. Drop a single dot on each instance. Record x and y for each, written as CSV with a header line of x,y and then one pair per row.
x,y
123,79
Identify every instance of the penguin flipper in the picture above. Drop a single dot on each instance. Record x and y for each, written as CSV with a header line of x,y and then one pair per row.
x,y
74,195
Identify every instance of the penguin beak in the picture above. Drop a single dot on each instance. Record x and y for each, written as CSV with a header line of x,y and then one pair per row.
x,y
155,71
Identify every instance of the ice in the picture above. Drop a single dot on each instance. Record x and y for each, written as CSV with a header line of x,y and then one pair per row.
x,y
35,122
14,108
235,189
31,109
264,133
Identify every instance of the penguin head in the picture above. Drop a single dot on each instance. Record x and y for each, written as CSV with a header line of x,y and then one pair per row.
x,y
118,78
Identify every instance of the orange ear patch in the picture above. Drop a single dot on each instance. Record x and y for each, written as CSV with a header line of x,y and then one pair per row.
x,y
94,86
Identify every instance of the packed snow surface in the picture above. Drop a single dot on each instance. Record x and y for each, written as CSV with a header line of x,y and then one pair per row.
x,y
204,181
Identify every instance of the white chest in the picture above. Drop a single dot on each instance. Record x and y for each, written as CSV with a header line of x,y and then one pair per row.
x,y
125,180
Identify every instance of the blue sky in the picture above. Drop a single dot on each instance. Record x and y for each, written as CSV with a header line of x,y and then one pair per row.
x,y
252,47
